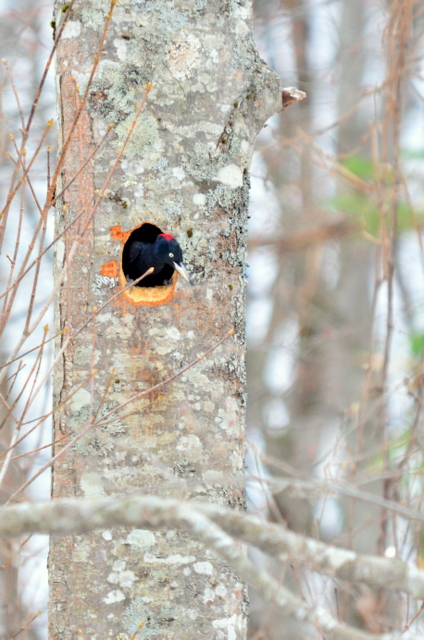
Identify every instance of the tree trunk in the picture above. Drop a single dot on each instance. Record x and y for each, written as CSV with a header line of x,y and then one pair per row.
x,y
184,169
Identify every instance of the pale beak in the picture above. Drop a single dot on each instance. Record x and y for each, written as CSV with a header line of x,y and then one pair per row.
x,y
183,271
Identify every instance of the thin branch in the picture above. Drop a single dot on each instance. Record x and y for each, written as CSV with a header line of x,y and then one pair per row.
x,y
311,236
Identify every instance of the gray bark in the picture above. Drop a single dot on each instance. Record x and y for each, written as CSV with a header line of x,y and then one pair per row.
x,y
185,169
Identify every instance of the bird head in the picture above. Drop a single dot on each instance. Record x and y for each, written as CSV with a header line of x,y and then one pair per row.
x,y
169,251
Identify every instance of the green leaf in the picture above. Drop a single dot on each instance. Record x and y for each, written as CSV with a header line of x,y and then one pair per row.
x,y
412,154
361,166
416,343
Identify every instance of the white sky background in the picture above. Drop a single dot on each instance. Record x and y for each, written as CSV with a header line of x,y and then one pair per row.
x,y
276,48
266,217
26,49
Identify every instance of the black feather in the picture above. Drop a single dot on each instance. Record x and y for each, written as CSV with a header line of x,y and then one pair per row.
x,y
147,247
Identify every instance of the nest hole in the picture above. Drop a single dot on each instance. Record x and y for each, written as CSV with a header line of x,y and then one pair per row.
x,y
156,288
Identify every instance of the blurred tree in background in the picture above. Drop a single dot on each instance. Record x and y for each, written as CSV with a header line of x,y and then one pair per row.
x,y
335,295
335,322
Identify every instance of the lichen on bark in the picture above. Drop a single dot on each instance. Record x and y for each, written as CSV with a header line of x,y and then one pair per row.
x,y
185,169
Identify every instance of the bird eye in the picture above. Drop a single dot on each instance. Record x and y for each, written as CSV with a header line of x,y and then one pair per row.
x,y
171,255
